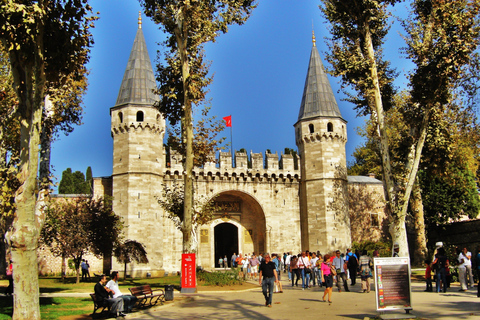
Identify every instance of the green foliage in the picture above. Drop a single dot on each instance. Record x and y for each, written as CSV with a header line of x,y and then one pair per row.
x,y
74,227
448,197
75,182
129,251
384,248
71,264
205,143
188,26
172,202
352,27
220,278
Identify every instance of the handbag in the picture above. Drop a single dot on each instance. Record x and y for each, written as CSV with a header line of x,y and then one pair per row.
x,y
333,270
307,269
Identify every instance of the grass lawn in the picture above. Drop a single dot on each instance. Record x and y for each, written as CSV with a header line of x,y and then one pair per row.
x,y
55,285
58,307
51,308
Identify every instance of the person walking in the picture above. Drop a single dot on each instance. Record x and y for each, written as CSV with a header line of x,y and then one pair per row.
x,y
287,265
234,260
352,265
303,264
268,272
468,268
441,263
294,270
462,261
340,266
327,277
365,270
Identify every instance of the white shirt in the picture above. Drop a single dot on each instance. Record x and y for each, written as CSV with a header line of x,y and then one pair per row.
x,y
303,262
287,261
313,262
468,261
460,258
113,285
338,263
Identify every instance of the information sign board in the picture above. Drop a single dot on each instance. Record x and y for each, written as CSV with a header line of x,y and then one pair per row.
x,y
392,283
189,276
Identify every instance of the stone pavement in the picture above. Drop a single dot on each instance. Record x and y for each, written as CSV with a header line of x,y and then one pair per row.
x,y
295,303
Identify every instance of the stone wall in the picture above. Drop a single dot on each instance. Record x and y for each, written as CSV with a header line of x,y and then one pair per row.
x,y
461,234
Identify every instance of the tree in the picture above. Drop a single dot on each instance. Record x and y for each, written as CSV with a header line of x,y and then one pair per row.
x,y
205,143
189,24
46,40
74,227
173,202
88,181
75,182
129,251
442,37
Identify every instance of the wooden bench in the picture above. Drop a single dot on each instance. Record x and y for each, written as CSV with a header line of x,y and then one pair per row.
x,y
146,296
97,306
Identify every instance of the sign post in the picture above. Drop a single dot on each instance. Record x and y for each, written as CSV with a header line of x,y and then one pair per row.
x,y
392,284
189,275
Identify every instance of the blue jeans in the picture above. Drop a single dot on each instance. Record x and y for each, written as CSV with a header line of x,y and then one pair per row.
x,y
441,275
305,275
128,302
268,284
318,274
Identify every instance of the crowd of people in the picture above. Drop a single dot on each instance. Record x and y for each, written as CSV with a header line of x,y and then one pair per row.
x,y
464,262
311,268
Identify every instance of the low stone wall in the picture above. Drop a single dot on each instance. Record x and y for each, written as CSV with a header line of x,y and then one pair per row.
x,y
48,264
461,234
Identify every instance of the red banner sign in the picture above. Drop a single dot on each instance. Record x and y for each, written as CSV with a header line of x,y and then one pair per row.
x,y
189,276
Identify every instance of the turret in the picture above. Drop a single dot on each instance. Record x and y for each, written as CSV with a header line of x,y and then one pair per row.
x,y
321,135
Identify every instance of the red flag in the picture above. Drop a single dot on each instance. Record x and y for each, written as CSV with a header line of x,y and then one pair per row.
x,y
228,120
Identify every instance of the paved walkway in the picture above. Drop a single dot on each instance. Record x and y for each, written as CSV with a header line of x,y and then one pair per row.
x,y
295,303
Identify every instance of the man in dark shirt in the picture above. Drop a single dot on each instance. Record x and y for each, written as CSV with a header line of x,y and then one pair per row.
x,y
102,295
268,271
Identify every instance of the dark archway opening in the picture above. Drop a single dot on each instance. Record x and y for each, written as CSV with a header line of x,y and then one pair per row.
x,y
226,242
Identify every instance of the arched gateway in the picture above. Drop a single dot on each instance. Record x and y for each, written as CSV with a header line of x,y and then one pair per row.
x,y
238,227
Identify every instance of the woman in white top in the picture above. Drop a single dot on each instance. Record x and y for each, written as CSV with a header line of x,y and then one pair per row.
x,y
303,264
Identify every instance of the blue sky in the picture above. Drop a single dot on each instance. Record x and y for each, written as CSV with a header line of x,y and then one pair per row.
x,y
259,73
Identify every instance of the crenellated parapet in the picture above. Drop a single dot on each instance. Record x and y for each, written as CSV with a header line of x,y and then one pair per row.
x,y
137,126
323,136
270,168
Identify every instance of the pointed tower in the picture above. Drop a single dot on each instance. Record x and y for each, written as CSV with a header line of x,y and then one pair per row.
x,y
138,156
321,135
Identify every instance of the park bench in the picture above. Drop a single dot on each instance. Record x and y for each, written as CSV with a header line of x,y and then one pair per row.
x,y
146,296
97,306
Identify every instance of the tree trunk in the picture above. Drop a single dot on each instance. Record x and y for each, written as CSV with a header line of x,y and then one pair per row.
x,y
29,217
187,134
421,251
26,226
63,268
397,220
124,271
77,273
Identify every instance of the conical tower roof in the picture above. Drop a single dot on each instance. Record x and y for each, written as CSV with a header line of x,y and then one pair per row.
x,y
318,99
138,79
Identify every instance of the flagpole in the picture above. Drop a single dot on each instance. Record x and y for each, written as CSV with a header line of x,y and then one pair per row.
x,y
231,145
228,123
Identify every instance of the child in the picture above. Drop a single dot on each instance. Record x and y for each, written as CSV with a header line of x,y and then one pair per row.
x,y
428,275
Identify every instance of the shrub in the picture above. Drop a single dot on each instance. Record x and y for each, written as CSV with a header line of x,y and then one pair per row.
x,y
219,278
384,248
